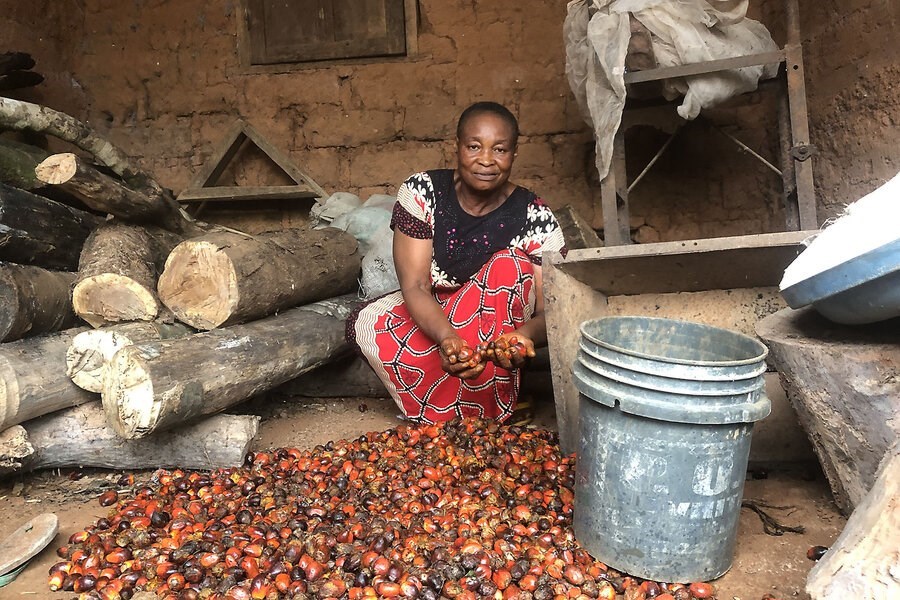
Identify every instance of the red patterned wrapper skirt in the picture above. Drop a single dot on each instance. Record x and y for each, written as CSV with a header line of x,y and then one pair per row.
x,y
497,300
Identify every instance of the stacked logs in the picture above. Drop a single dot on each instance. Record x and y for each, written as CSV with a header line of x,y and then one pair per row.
x,y
113,250
469,509
16,73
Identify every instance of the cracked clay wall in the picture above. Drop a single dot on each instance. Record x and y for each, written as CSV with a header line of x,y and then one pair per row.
x,y
49,32
164,81
852,61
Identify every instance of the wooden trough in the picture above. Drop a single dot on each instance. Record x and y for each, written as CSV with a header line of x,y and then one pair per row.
x,y
726,282
844,382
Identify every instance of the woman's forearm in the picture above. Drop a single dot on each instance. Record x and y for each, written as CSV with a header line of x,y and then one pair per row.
x,y
427,314
535,329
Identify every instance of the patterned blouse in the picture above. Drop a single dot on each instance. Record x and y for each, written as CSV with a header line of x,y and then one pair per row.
x,y
427,208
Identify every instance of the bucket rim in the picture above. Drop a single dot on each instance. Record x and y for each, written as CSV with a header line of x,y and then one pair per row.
x,y
610,359
681,361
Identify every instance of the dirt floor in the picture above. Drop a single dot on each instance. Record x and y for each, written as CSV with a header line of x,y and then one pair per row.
x,y
763,564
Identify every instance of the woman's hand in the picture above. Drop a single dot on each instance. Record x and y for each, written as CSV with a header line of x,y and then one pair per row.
x,y
509,351
459,359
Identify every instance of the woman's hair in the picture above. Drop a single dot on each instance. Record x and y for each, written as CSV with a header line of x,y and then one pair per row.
x,y
495,108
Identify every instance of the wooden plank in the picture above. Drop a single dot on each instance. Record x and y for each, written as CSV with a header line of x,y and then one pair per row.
x,y
862,562
567,302
395,26
701,68
254,15
612,235
218,162
411,18
203,190
228,193
282,160
686,266
280,29
623,212
576,230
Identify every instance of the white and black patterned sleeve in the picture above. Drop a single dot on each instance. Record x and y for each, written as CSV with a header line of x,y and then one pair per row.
x,y
542,233
414,210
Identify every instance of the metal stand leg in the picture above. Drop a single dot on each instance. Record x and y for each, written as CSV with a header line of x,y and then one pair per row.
x,y
801,150
614,197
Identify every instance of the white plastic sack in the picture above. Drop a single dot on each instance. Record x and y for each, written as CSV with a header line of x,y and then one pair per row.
x,y
378,273
367,220
597,33
383,201
337,204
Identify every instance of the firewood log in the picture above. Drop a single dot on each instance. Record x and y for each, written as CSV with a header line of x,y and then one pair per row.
x,y
15,61
33,381
25,116
17,164
81,437
38,231
157,385
351,378
91,351
117,273
102,192
864,562
223,278
16,80
15,449
34,301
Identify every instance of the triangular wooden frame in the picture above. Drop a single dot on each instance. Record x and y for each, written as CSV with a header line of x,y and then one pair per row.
x,y
203,189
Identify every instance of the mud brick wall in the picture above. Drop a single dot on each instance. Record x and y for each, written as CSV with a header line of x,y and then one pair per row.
x,y
49,32
164,80
852,60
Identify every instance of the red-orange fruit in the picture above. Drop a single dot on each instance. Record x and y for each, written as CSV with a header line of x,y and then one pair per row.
x,y
388,589
701,590
816,552
108,498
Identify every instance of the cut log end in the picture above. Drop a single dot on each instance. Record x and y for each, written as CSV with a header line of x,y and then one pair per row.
x,y
15,449
110,298
87,357
90,352
128,400
200,286
85,367
9,392
57,169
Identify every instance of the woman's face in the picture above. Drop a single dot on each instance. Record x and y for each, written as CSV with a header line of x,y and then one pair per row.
x,y
485,152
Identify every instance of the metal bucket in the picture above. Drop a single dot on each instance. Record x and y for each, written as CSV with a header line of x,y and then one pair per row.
x,y
666,412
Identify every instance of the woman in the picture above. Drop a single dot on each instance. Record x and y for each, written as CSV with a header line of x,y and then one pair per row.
x,y
467,249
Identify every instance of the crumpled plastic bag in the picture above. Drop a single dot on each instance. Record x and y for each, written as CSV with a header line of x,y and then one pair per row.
x,y
370,224
365,221
322,214
597,32
378,273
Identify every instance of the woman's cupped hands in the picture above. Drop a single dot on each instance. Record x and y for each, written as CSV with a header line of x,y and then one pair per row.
x,y
509,351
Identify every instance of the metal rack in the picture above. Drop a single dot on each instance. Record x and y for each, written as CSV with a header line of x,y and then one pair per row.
x,y
793,126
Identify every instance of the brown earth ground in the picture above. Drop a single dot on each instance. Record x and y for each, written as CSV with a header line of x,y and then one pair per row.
x,y
763,564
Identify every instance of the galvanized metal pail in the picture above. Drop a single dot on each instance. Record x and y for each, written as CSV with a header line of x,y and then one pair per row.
x,y
666,413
